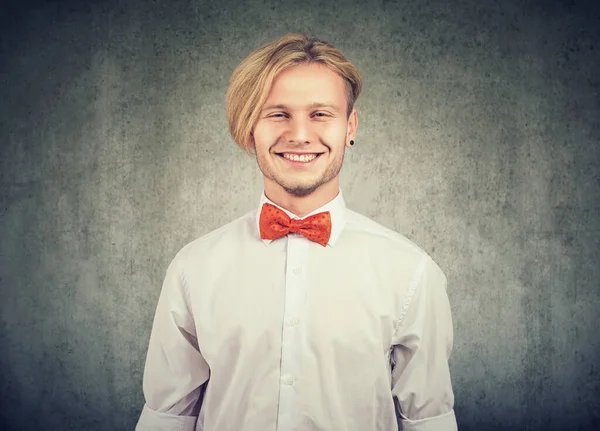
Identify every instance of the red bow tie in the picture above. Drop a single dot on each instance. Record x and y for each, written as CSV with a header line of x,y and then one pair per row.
x,y
275,223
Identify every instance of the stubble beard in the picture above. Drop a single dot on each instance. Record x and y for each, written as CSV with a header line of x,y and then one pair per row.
x,y
295,187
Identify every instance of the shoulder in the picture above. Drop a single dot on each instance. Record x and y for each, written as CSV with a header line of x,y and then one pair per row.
x,y
219,242
388,243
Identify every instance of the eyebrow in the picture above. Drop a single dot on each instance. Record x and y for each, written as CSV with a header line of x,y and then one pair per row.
x,y
311,106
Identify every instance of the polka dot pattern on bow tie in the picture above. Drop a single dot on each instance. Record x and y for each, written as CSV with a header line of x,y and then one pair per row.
x,y
275,223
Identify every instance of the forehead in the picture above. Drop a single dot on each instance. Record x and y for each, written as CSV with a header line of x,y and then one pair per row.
x,y
307,82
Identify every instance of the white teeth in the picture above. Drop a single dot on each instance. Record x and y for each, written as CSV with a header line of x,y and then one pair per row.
x,y
301,158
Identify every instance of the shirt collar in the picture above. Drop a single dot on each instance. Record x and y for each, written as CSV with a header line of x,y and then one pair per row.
x,y
336,208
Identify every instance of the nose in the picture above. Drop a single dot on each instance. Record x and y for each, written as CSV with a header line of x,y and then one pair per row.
x,y
299,130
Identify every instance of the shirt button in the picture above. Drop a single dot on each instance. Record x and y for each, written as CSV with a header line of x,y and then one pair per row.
x,y
290,381
293,322
297,271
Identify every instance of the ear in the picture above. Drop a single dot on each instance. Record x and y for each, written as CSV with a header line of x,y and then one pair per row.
x,y
352,126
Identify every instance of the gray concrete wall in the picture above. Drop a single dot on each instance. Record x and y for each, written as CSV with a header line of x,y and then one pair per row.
x,y
478,138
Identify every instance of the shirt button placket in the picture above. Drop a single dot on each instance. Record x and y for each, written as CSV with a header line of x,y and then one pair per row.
x,y
297,250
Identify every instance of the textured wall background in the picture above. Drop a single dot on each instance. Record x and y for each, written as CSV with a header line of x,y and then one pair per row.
x,y
478,138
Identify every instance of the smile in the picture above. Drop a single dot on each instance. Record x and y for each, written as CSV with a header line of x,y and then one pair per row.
x,y
304,160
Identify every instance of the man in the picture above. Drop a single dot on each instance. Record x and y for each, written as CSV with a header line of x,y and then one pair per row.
x,y
302,314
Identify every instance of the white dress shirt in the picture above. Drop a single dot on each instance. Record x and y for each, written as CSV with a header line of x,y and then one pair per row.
x,y
261,335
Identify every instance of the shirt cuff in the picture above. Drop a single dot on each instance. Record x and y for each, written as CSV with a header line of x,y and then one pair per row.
x,y
151,420
445,422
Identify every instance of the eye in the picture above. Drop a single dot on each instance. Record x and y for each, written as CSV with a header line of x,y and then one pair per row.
x,y
318,114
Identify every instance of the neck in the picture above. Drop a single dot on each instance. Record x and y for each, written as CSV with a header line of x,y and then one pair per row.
x,y
301,205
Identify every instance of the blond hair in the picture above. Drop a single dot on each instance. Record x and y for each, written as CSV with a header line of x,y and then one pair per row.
x,y
251,81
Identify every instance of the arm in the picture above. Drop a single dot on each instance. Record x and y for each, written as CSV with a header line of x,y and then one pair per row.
x,y
175,370
421,382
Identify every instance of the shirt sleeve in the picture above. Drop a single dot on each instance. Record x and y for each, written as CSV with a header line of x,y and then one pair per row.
x,y
421,384
175,372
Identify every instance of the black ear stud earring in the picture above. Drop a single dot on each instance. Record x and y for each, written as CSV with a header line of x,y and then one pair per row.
x,y
351,142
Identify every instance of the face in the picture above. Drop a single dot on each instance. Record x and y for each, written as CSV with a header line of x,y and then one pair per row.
x,y
305,112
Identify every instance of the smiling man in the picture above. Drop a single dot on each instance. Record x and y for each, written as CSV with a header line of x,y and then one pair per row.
x,y
302,314
300,136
